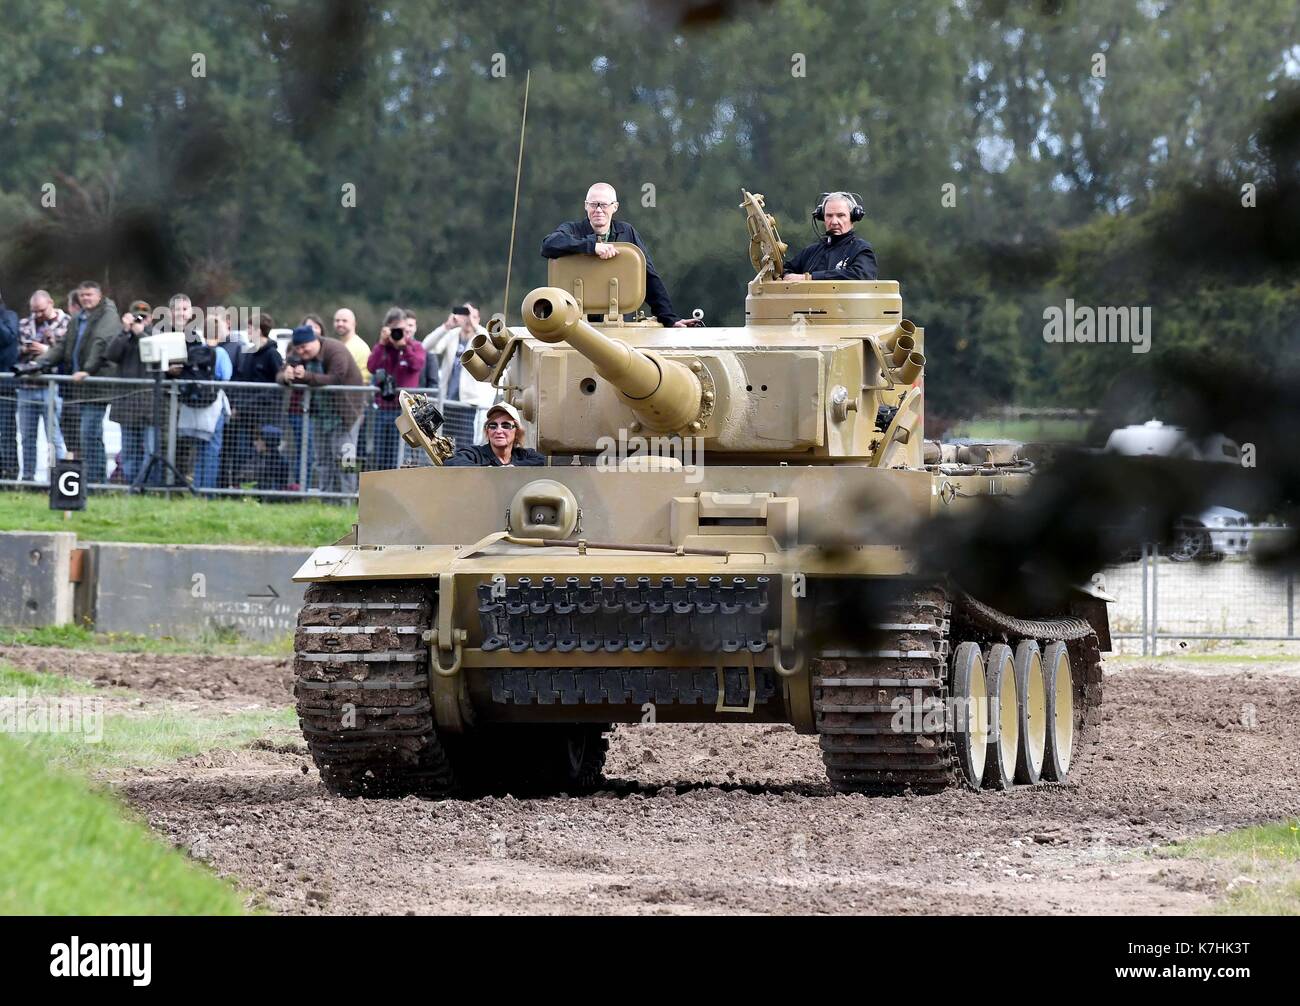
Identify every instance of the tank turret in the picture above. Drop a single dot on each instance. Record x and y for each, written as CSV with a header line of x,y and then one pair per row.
x,y
821,386
666,396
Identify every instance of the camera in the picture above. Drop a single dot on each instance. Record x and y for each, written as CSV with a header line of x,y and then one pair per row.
x,y
159,352
37,366
397,334
293,359
384,381
460,312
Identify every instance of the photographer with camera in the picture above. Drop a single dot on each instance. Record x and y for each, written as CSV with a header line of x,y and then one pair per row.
x,y
133,411
396,362
465,398
203,405
331,427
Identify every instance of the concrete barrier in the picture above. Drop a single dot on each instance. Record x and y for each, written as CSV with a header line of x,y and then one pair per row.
x,y
187,591
36,578
183,591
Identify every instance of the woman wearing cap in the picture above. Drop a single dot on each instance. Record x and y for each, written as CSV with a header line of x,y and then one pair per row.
x,y
505,436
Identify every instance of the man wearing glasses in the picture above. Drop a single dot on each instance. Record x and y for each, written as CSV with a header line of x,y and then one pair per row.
x,y
505,437
596,236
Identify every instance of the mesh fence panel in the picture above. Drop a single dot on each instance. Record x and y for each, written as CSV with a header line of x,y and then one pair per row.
x,y
459,423
1164,603
222,437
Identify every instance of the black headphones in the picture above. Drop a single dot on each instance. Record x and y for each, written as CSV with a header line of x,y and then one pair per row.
x,y
856,212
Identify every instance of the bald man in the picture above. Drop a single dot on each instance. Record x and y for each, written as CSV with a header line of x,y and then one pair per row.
x,y
345,327
597,234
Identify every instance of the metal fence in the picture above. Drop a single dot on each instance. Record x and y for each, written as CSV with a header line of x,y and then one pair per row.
x,y
222,437
1182,605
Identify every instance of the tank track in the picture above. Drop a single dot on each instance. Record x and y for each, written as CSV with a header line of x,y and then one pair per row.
x,y
868,746
362,689
610,615
980,622
854,697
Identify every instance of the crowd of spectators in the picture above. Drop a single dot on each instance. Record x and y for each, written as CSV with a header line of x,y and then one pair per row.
x,y
270,428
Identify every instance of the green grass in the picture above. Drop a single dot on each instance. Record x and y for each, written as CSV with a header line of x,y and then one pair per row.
x,y
66,849
78,637
1278,843
148,740
1266,860
69,849
14,681
131,741
1065,431
120,517
136,738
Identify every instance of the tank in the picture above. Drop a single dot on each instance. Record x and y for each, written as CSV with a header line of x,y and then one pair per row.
x,y
719,536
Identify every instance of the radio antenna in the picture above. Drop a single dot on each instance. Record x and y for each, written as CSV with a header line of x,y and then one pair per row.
x,y
514,216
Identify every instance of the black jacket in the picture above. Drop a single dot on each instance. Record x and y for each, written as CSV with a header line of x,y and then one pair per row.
x,y
8,338
576,237
481,456
134,407
259,364
254,405
841,256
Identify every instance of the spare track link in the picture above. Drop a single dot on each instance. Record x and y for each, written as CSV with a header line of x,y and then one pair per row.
x,y
854,703
362,689
978,620
613,614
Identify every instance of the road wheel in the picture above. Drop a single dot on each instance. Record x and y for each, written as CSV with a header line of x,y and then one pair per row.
x,y
1032,693
1058,681
969,703
1004,718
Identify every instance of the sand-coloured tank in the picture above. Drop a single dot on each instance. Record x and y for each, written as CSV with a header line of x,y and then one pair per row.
x,y
719,537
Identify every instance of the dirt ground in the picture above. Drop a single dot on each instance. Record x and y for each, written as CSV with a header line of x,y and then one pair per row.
x,y
734,819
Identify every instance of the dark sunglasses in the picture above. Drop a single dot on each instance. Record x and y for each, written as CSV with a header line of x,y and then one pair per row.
x,y
501,426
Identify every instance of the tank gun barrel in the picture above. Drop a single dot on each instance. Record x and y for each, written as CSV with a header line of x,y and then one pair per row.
x,y
665,395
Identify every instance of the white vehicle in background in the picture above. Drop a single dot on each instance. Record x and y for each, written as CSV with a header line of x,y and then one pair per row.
x,y
1217,532
1156,439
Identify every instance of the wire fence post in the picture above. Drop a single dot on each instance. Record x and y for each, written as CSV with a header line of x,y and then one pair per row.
x,y
1146,618
1290,604
1155,600
51,424
173,421
305,426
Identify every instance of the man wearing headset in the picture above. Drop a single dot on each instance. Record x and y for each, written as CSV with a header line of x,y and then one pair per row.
x,y
596,236
840,254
